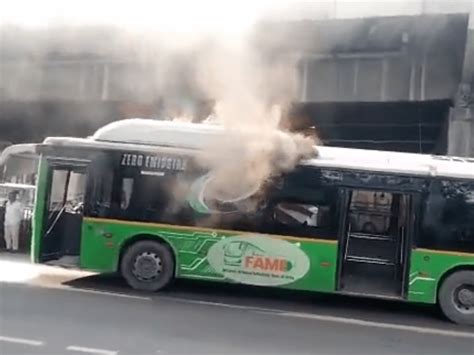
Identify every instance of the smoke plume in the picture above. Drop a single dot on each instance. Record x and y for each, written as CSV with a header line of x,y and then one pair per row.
x,y
173,78
253,147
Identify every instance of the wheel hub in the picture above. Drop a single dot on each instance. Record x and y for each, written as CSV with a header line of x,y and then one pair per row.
x,y
466,297
147,266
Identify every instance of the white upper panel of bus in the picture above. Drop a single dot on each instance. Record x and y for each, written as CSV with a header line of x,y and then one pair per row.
x,y
149,134
160,133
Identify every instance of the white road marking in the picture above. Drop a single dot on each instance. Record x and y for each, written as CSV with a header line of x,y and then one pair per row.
x,y
83,349
21,341
217,304
365,323
104,293
352,321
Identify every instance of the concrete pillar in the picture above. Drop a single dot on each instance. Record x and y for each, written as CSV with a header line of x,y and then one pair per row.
x,y
105,83
461,132
461,120
468,71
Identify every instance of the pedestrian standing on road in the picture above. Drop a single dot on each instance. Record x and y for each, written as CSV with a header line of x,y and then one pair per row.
x,y
13,217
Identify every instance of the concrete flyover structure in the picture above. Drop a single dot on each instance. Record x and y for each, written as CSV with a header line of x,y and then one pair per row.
x,y
392,75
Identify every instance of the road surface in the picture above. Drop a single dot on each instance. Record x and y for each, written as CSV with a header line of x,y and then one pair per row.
x,y
52,311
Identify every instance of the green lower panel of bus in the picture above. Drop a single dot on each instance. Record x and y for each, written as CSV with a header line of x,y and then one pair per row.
x,y
428,267
303,264
247,258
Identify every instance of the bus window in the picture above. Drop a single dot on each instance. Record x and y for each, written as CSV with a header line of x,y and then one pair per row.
x,y
144,197
448,217
75,192
101,176
58,189
307,218
302,203
67,191
377,212
297,214
127,189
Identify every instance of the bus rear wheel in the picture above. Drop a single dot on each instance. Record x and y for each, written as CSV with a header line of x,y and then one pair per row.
x,y
147,266
456,297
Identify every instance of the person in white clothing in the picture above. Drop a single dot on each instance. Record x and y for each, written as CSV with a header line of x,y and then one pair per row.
x,y
13,217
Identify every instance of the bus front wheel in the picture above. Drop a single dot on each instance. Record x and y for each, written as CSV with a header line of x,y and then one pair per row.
x,y
456,297
147,266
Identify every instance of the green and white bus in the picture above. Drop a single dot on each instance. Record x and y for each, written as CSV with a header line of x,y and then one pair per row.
x,y
365,223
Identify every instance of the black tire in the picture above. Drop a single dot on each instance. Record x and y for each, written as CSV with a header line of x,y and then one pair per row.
x,y
147,266
457,308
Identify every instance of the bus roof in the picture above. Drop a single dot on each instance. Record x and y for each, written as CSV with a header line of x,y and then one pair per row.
x,y
158,133
147,135
400,163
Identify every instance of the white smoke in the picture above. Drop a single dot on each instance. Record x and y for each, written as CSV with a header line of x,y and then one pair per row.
x,y
253,148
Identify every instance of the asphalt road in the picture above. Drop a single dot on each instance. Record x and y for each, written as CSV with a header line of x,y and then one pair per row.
x,y
54,311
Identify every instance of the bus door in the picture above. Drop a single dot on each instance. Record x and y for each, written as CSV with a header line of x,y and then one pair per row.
x,y
375,243
64,206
